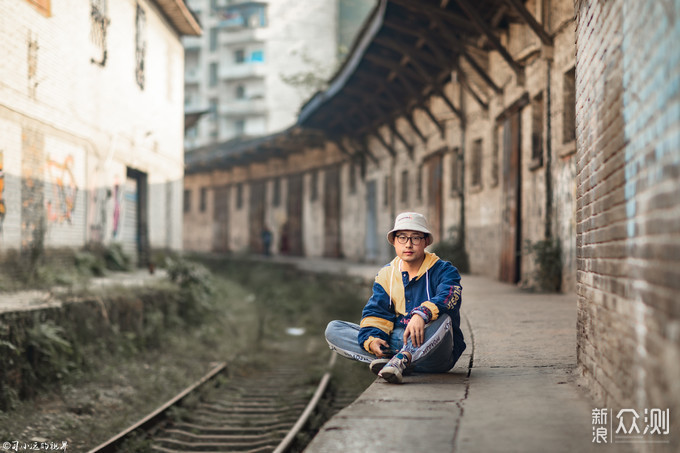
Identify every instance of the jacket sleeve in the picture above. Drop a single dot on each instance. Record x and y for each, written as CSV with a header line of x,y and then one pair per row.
x,y
377,318
447,296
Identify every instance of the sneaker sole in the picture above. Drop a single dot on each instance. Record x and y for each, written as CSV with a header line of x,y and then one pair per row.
x,y
377,365
391,377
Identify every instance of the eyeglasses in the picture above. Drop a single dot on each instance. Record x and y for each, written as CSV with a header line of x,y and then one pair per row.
x,y
415,240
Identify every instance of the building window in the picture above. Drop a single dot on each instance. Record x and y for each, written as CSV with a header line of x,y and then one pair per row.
x,y
204,199
276,198
386,191
257,56
476,164
404,186
239,196
239,127
239,56
213,39
140,45
187,200
537,131
99,21
213,75
569,108
455,173
314,186
240,92
419,183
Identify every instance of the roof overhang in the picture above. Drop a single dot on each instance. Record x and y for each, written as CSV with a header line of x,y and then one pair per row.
x,y
405,54
247,150
181,18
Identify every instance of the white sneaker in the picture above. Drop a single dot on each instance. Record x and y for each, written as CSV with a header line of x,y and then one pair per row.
x,y
393,372
377,365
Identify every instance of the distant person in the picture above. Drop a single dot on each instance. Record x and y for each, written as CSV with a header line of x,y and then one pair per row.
x,y
284,246
266,241
412,320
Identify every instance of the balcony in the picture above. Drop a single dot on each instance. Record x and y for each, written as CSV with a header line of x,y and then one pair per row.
x,y
192,76
243,36
242,71
192,42
242,107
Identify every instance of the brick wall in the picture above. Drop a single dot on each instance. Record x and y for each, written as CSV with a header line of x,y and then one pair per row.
x,y
628,233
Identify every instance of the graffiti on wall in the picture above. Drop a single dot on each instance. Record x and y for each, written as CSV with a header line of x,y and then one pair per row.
x,y
62,204
32,189
117,193
97,210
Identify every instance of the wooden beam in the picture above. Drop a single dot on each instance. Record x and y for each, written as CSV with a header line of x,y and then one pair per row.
x,y
363,146
405,49
436,87
446,34
460,23
464,83
421,104
440,91
341,147
531,21
405,114
392,65
377,135
493,39
395,131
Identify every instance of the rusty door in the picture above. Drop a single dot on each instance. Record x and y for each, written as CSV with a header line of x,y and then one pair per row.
x,y
291,231
256,216
331,204
371,243
434,195
221,219
511,227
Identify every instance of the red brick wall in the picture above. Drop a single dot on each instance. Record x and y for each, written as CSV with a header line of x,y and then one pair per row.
x,y
628,207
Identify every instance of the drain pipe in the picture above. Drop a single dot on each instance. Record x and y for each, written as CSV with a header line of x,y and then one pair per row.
x,y
548,159
461,162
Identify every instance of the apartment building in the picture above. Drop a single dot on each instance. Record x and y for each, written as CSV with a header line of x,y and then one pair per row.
x,y
258,61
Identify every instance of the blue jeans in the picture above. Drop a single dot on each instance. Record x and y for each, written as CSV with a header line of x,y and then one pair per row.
x,y
435,355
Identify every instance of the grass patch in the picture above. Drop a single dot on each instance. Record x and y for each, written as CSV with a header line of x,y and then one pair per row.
x,y
239,315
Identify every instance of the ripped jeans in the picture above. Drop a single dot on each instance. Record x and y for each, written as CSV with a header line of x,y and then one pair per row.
x,y
435,355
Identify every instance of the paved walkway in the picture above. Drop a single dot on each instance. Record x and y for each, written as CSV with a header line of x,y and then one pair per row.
x,y
514,389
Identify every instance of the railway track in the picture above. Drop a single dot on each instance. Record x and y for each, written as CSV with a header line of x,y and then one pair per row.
x,y
266,412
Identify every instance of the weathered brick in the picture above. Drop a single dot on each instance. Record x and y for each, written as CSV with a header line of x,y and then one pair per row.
x,y
628,223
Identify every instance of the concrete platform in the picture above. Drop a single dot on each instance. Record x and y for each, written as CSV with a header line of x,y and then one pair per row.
x,y
513,391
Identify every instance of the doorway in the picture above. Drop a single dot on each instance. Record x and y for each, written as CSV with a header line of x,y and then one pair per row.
x,y
511,227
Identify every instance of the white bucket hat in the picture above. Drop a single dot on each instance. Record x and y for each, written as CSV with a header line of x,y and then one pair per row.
x,y
411,221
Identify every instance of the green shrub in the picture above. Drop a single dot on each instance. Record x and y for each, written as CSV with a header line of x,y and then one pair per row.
x,y
49,353
453,249
196,289
547,255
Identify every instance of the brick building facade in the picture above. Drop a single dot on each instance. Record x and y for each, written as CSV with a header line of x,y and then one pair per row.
x,y
446,156
628,215
568,134
91,123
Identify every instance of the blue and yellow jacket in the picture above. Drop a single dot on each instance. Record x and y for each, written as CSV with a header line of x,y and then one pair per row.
x,y
434,291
